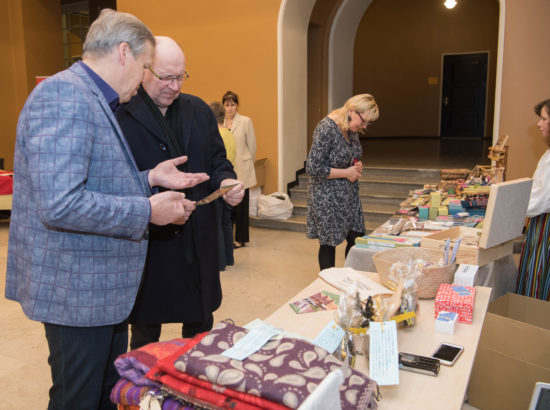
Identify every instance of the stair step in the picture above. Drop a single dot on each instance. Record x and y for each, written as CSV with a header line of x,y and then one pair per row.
x,y
381,191
390,198
300,208
391,175
405,174
296,223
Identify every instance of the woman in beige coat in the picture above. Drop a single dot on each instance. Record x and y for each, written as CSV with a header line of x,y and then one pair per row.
x,y
245,139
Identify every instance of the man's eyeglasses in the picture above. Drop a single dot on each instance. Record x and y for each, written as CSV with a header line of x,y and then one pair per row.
x,y
169,78
363,121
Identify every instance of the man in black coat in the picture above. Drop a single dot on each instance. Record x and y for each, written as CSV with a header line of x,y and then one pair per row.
x,y
181,282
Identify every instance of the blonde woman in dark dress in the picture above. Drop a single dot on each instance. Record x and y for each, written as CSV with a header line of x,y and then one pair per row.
x,y
334,166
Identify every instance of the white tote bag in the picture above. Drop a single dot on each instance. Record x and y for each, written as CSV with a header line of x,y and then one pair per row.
x,y
275,206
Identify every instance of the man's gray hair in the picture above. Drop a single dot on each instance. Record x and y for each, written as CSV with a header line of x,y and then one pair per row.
x,y
112,28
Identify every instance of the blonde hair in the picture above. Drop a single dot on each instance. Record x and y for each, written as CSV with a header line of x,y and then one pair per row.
x,y
364,104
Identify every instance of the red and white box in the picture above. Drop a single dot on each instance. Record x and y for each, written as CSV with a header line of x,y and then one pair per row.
x,y
456,298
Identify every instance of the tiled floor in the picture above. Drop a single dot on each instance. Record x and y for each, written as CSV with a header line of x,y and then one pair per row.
x,y
267,273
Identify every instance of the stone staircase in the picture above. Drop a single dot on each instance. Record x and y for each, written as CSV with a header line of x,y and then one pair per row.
x,y
381,191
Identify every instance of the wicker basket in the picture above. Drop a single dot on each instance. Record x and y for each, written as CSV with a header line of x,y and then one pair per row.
x,y
433,276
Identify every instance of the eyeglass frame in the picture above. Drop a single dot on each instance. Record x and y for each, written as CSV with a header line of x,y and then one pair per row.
x,y
363,121
170,78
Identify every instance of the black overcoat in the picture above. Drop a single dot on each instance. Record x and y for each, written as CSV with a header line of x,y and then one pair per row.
x,y
173,290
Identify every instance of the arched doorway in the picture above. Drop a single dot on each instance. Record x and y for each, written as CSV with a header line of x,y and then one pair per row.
x,y
294,21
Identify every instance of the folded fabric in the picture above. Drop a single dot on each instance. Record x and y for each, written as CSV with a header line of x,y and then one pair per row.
x,y
136,363
132,366
203,393
126,393
284,371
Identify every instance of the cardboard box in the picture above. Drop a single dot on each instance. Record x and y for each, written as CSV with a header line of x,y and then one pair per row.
x,y
467,254
259,169
466,275
503,223
513,353
456,298
445,322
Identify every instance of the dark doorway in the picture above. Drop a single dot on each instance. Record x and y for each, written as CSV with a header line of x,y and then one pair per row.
x,y
464,95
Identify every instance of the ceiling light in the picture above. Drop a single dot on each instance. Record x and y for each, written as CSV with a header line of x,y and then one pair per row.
x,y
450,3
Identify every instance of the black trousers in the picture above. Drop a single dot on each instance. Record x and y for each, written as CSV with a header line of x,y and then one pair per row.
x,y
82,365
225,234
327,253
240,218
145,334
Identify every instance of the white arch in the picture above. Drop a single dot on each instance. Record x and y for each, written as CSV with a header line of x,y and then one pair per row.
x,y
292,28
340,51
500,61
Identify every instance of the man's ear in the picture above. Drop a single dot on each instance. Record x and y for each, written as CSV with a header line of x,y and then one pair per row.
x,y
122,52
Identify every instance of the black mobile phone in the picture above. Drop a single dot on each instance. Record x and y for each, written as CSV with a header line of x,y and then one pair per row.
x,y
447,353
418,364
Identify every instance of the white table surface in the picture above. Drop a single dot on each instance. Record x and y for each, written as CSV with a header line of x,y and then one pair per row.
x,y
415,391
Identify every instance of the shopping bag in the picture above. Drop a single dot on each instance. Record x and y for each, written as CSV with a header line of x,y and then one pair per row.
x,y
275,206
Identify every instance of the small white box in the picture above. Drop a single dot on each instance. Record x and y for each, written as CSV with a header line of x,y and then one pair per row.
x,y
466,275
445,322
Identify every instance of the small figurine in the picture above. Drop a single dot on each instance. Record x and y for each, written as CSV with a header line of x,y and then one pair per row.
x,y
368,312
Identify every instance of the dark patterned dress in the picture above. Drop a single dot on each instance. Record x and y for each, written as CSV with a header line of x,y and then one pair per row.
x,y
334,207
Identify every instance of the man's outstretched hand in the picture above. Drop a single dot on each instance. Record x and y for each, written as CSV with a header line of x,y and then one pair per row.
x,y
167,175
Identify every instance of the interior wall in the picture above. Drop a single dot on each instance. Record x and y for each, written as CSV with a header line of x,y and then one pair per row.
x,y
229,45
43,38
416,35
230,60
525,82
11,78
31,45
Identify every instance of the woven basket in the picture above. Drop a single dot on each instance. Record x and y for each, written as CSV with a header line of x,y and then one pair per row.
x,y
433,275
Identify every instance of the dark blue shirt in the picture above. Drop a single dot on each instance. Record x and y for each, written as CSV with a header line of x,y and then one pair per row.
x,y
110,95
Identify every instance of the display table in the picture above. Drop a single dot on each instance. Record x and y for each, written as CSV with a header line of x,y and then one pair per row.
x,y
6,189
500,275
415,391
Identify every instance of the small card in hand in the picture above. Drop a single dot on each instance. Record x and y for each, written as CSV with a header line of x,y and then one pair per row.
x,y
216,194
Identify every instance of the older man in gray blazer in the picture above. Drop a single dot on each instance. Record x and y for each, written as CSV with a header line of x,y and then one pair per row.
x,y
81,209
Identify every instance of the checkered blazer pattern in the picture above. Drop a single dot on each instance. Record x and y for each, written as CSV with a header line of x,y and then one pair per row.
x,y
80,210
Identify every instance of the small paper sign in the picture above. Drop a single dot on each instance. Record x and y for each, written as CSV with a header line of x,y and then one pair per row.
x,y
251,342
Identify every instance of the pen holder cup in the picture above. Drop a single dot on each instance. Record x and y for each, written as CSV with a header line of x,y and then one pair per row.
x,y
433,275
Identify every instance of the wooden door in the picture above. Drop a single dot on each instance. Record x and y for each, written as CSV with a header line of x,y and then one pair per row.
x,y
464,89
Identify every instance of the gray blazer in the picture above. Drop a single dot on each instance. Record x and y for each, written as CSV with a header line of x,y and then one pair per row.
x,y
80,210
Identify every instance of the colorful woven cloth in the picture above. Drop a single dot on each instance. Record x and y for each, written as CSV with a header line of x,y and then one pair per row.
x,y
136,363
133,366
534,262
127,393
283,371
202,393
